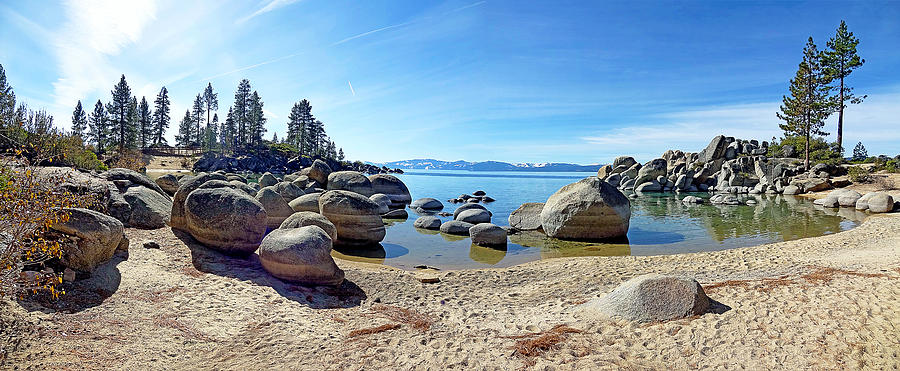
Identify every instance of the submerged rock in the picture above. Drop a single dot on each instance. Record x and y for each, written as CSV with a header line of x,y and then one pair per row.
x,y
487,234
427,204
589,209
428,222
474,216
653,297
456,227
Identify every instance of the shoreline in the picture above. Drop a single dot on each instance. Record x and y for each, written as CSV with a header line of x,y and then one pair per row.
x,y
837,290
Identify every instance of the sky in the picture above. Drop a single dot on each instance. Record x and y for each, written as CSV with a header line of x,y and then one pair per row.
x,y
516,81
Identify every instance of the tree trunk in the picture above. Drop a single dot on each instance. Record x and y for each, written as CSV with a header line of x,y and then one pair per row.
x,y
840,132
807,150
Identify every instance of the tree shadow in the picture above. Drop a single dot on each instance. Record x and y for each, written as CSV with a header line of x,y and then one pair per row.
x,y
248,268
87,291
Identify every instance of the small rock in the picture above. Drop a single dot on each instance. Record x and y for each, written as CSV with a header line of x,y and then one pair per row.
x,y
150,244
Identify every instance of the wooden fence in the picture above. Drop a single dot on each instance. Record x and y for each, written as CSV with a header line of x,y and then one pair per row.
x,y
173,151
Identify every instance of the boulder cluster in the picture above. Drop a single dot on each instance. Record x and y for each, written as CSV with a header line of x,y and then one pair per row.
x,y
471,219
875,202
726,165
275,162
307,212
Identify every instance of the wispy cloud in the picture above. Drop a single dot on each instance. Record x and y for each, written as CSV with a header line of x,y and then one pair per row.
x,y
351,88
252,66
93,31
272,5
367,33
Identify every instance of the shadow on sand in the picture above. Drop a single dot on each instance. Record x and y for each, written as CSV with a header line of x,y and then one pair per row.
x,y
88,291
248,268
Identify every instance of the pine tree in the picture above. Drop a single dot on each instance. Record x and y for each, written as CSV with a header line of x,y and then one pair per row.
x,y
185,130
859,152
133,129
340,154
7,101
275,137
838,62
117,109
805,111
145,122
98,127
79,121
197,111
210,100
226,134
241,114
161,117
212,132
257,122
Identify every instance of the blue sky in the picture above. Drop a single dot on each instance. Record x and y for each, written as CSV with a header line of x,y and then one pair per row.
x,y
554,81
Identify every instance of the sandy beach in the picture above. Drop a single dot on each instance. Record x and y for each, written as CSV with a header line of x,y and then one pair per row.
x,y
830,302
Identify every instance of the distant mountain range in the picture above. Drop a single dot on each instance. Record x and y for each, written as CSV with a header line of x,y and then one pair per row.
x,y
431,164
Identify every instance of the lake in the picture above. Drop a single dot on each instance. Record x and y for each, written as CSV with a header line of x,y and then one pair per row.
x,y
660,223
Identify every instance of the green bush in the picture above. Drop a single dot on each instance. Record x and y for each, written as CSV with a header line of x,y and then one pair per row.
x,y
820,150
858,174
284,149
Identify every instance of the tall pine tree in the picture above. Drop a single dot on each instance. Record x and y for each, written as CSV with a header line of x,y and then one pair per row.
x,y
7,101
79,121
117,109
257,120
805,111
98,127
226,134
212,132
133,133
185,130
838,62
145,122
161,117
210,101
197,111
241,114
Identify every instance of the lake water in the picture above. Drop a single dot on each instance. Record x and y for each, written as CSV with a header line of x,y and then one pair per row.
x,y
660,223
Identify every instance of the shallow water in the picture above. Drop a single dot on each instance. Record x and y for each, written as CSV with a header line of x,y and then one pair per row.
x,y
660,223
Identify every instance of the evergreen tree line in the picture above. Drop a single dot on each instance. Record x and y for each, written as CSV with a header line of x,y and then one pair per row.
x,y
125,122
819,89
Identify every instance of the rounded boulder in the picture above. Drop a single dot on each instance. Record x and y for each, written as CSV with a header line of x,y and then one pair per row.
x,y
355,216
300,255
225,219
589,209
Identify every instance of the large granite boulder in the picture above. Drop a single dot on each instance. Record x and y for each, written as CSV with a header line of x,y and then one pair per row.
x,y
456,227
881,202
383,202
289,191
350,181
863,202
474,216
487,234
134,177
307,202
225,219
98,237
622,163
149,209
589,209
650,171
300,255
305,218
604,171
527,217
429,222
319,171
267,180
651,186
393,188
178,220
714,150
277,209
168,183
355,216
653,297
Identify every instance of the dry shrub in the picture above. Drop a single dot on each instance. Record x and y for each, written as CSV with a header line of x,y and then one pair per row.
x,y
191,271
824,275
819,275
417,320
129,159
373,330
29,205
537,343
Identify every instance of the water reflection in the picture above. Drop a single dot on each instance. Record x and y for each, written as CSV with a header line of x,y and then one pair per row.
x,y
486,255
369,254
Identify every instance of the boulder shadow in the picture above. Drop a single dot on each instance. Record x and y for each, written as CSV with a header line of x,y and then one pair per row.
x,y
248,268
716,307
87,291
